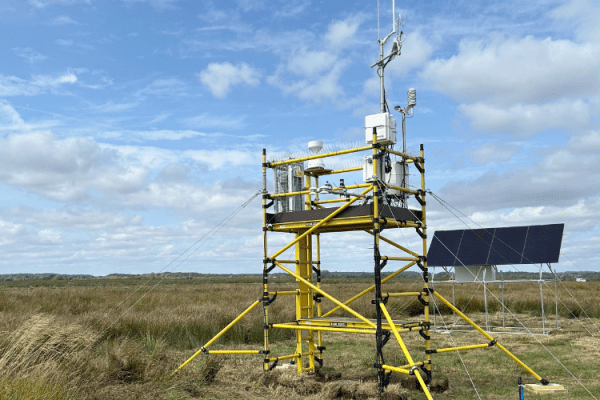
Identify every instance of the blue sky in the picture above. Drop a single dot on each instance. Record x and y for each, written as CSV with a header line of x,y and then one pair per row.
x,y
130,128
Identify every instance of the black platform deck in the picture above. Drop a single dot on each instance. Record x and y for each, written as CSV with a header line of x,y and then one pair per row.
x,y
352,218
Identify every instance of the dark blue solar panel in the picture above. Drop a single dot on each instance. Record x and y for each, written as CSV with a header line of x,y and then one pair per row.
x,y
475,246
543,243
496,246
445,251
507,247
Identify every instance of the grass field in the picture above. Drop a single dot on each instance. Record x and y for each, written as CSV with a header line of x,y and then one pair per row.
x,y
111,339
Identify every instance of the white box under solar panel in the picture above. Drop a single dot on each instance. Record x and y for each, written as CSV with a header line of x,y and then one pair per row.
x,y
475,273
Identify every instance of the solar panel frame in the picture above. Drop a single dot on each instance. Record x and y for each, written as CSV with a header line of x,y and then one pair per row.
x,y
534,244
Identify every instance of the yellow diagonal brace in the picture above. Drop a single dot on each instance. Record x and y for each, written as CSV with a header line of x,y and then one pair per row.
x,y
218,335
484,333
367,290
405,350
396,334
423,385
326,295
321,223
394,244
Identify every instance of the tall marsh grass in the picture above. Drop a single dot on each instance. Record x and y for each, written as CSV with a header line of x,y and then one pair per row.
x,y
76,342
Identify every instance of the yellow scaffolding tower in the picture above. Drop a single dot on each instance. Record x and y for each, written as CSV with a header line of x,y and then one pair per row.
x,y
372,217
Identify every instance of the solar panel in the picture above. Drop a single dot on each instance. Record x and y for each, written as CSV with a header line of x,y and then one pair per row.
x,y
535,244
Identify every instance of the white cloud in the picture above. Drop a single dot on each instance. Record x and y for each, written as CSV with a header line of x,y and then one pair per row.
x,y
39,84
71,217
563,175
170,87
46,3
65,169
159,5
493,152
507,71
220,78
49,236
64,42
29,54
341,34
291,8
585,14
251,5
159,134
64,20
206,120
11,121
313,73
527,119
310,63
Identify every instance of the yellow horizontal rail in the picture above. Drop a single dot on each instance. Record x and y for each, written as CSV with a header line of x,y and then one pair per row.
x,y
403,155
403,294
283,357
324,155
234,352
323,328
401,189
396,369
284,292
399,258
460,348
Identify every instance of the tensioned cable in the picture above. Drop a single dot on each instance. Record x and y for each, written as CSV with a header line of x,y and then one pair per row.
x,y
454,344
398,226
436,307
570,313
527,329
206,236
444,203
510,312
582,309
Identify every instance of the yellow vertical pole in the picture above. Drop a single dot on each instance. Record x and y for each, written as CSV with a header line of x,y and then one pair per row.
x,y
265,257
298,334
307,182
305,305
319,310
426,272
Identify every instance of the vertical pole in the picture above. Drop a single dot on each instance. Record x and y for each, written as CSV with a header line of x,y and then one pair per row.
x,y
542,301
377,258
453,300
425,271
502,287
319,310
555,296
380,70
485,303
307,200
265,296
